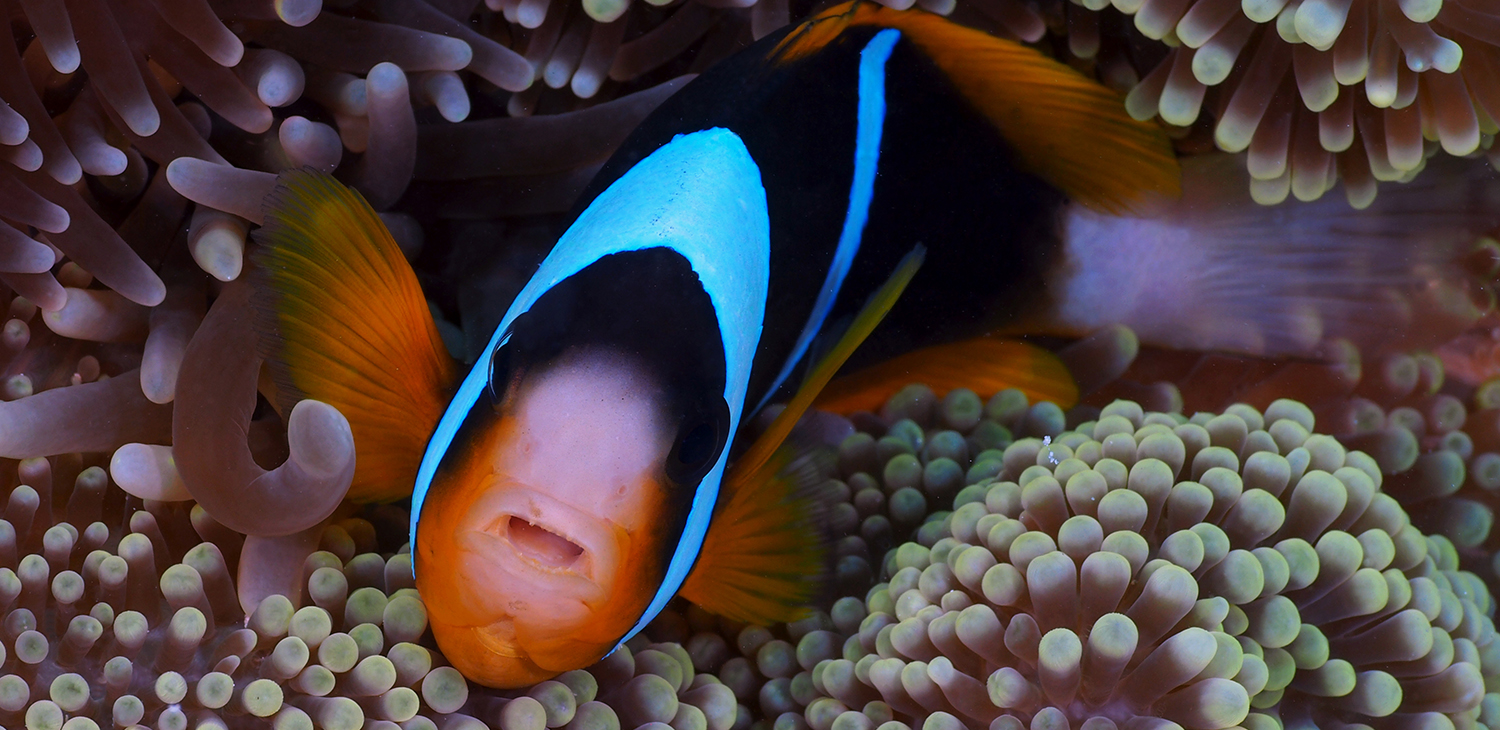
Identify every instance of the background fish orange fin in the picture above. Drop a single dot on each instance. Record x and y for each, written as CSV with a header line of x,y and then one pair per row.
x,y
984,364
763,556
1064,127
341,319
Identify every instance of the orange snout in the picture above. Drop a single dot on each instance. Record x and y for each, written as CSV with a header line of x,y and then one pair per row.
x,y
536,550
527,587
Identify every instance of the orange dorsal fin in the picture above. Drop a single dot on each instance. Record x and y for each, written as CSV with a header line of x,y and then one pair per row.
x,y
983,364
763,556
1064,127
341,319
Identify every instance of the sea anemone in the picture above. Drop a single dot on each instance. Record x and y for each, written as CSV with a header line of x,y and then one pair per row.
x,y
1448,445
931,450
121,616
1315,91
897,467
115,262
1435,438
1236,570
1286,87
119,91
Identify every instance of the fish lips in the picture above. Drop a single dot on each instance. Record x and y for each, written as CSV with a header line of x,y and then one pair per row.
x,y
518,545
530,571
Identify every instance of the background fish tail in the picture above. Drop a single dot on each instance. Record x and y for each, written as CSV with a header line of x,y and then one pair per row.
x,y
1218,271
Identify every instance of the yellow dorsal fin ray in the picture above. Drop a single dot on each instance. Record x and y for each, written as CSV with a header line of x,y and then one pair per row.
x,y
342,320
984,364
864,323
1064,127
763,553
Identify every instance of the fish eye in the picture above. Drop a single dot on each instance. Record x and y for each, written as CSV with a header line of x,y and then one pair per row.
x,y
697,444
700,440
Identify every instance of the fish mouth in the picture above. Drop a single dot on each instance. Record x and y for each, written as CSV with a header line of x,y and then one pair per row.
x,y
536,533
541,545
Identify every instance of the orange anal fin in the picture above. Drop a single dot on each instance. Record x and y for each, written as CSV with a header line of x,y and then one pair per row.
x,y
342,319
985,365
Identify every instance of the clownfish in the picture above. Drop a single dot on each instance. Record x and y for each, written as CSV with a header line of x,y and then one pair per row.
x,y
865,184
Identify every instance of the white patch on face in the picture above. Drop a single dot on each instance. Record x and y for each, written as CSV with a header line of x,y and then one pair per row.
x,y
574,482
588,428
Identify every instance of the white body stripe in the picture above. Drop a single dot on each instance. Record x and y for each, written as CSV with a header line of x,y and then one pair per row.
x,y
701,196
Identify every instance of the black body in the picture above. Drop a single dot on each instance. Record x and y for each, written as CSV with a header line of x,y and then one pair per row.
x,y
946,179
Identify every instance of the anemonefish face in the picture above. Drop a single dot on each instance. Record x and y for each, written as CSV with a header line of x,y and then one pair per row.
x,y
568,488
551,514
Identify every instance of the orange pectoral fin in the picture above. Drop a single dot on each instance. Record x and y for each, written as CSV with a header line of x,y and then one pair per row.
x,y
983,364
762,560
341,319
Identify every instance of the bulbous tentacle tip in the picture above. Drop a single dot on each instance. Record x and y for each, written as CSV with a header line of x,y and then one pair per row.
x,y
386,79
314,479
213,406
147,471
1101,357
222,187
321,441
298,13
